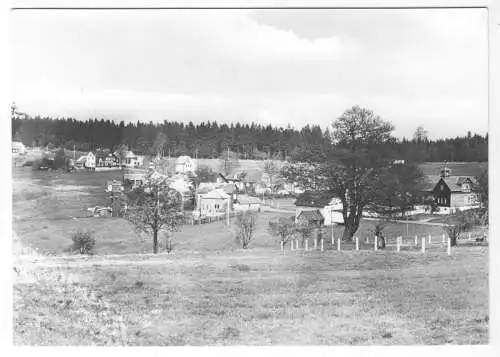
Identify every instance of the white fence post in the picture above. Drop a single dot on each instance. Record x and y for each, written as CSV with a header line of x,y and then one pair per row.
x,y
449,246
297,244
321,244
416,240
338,244
470,238
282,247
357,243
443,240
398,243
430,237
423,245
291,245
315,244
375,243
306,243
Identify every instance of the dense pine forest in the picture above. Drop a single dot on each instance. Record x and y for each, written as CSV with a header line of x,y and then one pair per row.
x,y
210,139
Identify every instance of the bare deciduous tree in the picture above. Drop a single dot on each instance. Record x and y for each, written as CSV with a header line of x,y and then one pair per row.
x,y
282,228
246,223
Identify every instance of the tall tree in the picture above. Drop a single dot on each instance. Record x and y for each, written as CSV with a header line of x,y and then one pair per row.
x,y
420,135
152,207
399,189
353,170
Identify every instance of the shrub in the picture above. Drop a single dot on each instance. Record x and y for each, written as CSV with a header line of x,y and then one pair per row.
x,y
282,228
378,231
458,223
83,242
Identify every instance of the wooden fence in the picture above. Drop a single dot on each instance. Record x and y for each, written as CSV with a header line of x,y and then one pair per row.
x,y
191,220
415,243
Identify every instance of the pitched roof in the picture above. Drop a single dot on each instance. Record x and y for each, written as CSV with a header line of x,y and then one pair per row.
x,y
216,194
229,188
454,183
223,177
247,200
182,160
311,215
430,181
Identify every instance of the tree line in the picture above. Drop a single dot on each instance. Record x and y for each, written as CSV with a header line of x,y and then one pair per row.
x,y
211,139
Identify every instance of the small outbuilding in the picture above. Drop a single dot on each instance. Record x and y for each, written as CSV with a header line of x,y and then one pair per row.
x,y
313,218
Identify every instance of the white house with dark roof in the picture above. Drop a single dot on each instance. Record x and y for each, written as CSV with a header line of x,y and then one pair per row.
x,y
212,203
185,164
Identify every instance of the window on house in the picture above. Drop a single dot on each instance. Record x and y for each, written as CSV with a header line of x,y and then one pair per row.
x,y
465,187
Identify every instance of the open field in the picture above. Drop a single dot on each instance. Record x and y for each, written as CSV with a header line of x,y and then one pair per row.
x,y
259,297
457,168
48,206
212,292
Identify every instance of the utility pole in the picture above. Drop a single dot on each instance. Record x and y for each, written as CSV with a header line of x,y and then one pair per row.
x,y
331,218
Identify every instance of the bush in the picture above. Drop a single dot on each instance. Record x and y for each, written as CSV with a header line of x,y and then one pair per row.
x,y
83,242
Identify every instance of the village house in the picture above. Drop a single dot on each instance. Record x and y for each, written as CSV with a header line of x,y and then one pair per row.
x,y
90,161
106,159
184,165
18,147
181,184
329,207
247,203
312,218
133,160
212,203
451,192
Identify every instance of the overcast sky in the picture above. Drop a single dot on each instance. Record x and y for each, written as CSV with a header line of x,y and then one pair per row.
x,y
297,67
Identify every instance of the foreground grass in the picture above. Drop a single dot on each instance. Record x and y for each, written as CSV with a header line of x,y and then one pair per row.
x,y
258,297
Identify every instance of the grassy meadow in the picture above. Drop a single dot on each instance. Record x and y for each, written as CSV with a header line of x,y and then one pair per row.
x,y
260,298
209,291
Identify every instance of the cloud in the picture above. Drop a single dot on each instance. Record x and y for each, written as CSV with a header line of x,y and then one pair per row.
x,y
297,67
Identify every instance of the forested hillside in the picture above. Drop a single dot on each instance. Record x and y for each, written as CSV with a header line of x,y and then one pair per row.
x,y
210,139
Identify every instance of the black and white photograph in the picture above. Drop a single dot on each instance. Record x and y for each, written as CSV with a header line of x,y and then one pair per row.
x,y
281,176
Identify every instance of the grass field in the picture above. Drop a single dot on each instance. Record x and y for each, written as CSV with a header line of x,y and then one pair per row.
x,y
212,292
48,206
259,298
